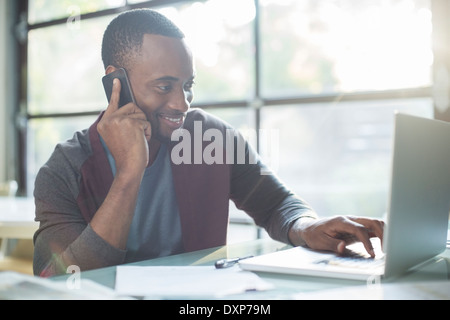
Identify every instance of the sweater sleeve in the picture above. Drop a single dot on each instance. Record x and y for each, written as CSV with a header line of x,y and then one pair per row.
x,y
64,238
260,193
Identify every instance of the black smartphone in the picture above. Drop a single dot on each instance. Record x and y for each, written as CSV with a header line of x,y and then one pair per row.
x,y
126,94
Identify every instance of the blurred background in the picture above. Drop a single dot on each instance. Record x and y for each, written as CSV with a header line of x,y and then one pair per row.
x,y
321,79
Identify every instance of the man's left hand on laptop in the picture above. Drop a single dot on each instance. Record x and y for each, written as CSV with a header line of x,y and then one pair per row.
x,y
335,233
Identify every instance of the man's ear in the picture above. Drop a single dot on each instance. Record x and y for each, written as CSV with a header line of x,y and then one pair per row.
x,y
110,69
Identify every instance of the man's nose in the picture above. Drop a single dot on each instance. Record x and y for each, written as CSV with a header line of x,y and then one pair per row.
x,y
181,101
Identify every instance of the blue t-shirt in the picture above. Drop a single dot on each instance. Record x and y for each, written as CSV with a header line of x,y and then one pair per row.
x,y
155,230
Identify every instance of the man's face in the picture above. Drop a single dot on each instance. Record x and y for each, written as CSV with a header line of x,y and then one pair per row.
x,y
162,78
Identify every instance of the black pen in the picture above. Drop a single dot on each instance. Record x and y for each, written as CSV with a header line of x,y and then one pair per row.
x,y
225,263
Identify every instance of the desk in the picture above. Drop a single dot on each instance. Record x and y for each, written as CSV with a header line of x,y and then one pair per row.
x,y
16,220
286,286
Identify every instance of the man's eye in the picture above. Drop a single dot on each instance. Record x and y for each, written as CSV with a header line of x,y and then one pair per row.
x,y
189,85
165,88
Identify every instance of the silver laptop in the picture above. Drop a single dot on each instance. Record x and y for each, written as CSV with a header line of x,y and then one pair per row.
x,y
417,220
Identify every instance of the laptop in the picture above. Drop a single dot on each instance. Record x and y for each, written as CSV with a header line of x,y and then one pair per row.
x,y
417,217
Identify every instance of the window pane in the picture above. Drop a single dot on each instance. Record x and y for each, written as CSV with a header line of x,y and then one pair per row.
x,y
47,10
44,135
242,227
338,157
240,118
65,68
136,1
221,39
319,47
67,57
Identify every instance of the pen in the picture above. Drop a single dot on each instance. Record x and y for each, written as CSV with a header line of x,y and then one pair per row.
x,y
225,263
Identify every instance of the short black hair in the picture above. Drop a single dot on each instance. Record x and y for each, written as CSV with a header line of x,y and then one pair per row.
x,y
123,37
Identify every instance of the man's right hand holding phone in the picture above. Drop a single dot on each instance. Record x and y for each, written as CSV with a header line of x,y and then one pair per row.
x,y
126,133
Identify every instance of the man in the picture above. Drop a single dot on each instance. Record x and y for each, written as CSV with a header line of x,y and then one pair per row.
x,y
114,194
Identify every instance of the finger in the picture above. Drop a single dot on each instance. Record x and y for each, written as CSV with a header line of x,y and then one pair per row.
x,y
140,120
115,97
133,111
148,131
334,244
362,234
340,248
374,226
354,230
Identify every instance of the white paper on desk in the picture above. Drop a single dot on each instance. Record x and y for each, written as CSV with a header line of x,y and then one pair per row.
x,y
185,281
18,286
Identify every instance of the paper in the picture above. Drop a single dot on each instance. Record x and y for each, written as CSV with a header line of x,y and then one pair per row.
x,y
185,281
17,286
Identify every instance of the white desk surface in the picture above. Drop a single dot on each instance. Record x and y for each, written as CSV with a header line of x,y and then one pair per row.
x,y
436,272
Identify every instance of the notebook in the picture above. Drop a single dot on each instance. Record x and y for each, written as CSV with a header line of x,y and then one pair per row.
x,y
417,217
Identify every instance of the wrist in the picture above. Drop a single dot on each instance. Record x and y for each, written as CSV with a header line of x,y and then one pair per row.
x,y
298,230
128,180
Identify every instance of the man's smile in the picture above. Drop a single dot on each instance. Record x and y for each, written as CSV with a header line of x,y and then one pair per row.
x,y
173,121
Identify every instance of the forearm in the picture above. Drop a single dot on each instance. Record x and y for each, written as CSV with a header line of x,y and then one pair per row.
x,y
285,217
269,202
65,239
87,251
113,219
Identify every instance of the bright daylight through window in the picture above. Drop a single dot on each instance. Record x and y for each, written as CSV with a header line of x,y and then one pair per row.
x,y
325,76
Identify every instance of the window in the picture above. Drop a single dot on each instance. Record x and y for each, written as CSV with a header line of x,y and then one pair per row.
x,y
338,157
64,63
336,153
328,47
221,39
323,77
41,11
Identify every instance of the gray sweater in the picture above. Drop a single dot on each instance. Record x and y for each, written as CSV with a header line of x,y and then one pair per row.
x,y
74,182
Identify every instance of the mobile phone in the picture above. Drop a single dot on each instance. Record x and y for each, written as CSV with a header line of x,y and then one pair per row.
x,y
126,94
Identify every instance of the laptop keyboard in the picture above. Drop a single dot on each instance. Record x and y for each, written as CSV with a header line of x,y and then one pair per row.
x,y
354,261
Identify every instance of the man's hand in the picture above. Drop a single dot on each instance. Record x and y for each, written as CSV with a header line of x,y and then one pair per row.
x,y
334,234
126,132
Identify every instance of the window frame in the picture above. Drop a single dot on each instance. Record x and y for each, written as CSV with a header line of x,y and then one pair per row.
x,y
255,104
